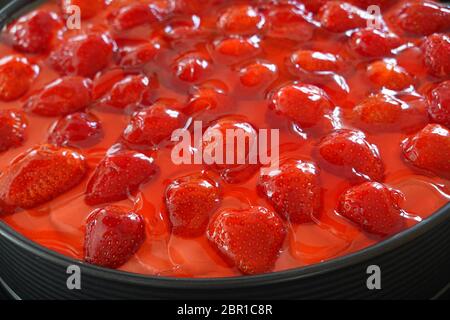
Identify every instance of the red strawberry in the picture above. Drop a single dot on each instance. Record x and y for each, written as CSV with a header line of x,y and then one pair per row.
x,y
384,112
288,22
103,82
13,124
136,14
60,97
436,50
429,149
314,5
79,130
338,16
113,235
423,17
38,176
83,55
293,190
191,67
35,32
309,60
304,104
129,91
257,74
373,42
118,176
439,104
141,54
237,47
183,27
348,152
16,77
364,4
88,8
250,239
237,162
389,75
190,201
207,96
152,126
241,19
374,207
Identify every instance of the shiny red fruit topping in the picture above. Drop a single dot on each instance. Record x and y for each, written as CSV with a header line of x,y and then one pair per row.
x,y
83,55
429,149
13,124
436,50
257,74
372,206
305,104
191,67
88,8
127,92
152,126
241,19
371,42
207,96
118,176
231,155
289,22
35,32
62,96
134,15
38,176
293,190
309,60
140,55
113,235
237,47
16,76
79,130
389,75
439,104
249,239
190,201
423,17
350,154
339,16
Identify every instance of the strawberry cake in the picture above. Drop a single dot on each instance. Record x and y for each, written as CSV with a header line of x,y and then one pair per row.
x,y
92,91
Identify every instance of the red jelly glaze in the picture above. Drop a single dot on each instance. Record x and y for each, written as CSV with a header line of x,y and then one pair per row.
x,y
196,29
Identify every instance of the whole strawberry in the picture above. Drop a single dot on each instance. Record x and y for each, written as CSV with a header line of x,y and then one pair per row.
x,y
190,201
13,124
38,176
429,149
293,190
118,176
113,235
250,239
373,206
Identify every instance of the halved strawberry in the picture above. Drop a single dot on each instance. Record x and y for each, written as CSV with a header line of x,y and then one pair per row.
x,y
436,49
88,8
60,97
389,74
35,32
339,16
305,104
80,130
429,149
250,239
127,92
423,17
374,207
241,19
439,104
190,201
13,124
152,126
38,176
371,42
113,235
16,76
119,176
293,190
191,67
350,154
83,55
